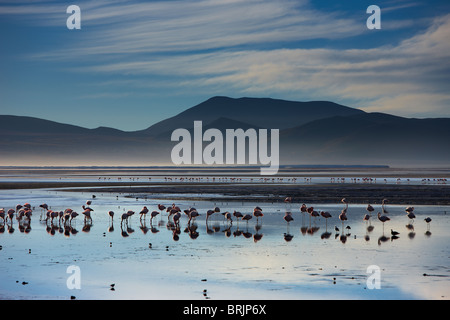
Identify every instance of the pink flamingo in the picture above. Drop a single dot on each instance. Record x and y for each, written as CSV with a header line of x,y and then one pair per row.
x,y
247,217
2,214
143,212
383,218
153,214
326,215
257,213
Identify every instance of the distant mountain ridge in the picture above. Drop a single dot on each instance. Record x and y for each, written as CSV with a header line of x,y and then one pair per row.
x,y
316,132
260,112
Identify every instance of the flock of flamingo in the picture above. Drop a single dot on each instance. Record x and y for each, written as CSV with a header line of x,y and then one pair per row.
x,y
23,214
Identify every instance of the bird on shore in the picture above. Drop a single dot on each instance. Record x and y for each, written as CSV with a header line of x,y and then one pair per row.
x,y
394,233
111,214
428,220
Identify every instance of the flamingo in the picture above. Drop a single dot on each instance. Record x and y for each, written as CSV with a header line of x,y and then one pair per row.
x,y
192,215
125,217
247,217
427,220
383,203
411,215
383,218
2,214
111,214
176,218
326,215
409,209
288,217
143,212
161,208
73,215
257,213
129,213
344,201
237,214
228,217
87,214
303,208
153,214
44,206
10,214
343,217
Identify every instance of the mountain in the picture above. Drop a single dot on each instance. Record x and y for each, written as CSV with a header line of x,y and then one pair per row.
x,y
370,138
260,112
316,132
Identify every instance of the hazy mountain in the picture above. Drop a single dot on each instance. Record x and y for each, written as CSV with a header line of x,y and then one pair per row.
x,y
310,133
369,138
259,112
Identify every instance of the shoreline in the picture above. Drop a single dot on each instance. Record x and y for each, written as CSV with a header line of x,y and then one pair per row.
x,y
308,193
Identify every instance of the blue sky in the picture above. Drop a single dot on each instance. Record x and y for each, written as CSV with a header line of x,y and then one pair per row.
x,y
134,63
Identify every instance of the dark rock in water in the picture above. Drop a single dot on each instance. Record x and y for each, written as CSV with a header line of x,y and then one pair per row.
x,y
72,297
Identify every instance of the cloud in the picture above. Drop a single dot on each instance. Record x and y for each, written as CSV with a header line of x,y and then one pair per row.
x,y
255,47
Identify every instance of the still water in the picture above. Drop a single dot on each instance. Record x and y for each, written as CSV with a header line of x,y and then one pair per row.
x,y
268,259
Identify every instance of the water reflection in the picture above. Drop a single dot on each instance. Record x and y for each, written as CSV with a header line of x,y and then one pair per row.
x,y
230,226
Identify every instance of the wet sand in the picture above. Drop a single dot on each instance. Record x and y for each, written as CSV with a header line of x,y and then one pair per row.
x,y
412,195
326,193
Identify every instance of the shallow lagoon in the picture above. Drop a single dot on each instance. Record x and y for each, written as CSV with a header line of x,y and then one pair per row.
x,y
268,260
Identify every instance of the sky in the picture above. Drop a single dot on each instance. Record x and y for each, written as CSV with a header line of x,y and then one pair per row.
x,y
134,63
